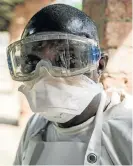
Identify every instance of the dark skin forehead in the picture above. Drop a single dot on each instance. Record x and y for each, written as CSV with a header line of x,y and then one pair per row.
x,y
61,18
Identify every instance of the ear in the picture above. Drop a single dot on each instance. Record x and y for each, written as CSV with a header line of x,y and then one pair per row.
x,y
103,62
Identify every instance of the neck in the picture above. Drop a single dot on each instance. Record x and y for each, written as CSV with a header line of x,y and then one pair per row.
x,y
89,112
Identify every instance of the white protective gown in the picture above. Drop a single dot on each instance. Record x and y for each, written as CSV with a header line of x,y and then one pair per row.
x,y
105,139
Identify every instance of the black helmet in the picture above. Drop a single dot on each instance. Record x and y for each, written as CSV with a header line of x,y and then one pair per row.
x,y
61,18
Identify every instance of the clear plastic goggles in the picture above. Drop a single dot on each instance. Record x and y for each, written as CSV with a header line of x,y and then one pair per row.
x,y
65,54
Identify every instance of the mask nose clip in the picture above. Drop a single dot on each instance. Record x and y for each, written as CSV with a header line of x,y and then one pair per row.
x,y
43,65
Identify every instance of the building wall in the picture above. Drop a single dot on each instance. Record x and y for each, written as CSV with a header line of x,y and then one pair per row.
x,y
113,19
114,22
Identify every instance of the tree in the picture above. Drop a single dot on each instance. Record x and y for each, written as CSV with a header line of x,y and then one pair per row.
x,y
6,8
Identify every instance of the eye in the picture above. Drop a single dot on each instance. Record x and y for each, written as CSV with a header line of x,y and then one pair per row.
x,y
29,63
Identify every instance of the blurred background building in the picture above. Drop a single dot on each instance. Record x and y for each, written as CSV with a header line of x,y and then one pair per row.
x,y
114,21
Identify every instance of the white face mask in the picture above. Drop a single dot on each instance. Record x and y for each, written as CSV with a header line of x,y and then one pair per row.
x,y
60,99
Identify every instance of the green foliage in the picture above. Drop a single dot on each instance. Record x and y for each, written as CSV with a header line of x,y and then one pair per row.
x,y
6,8
78,6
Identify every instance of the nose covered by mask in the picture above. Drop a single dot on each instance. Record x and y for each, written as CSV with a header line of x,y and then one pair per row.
x,y
59,99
